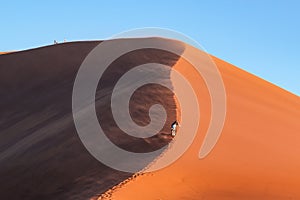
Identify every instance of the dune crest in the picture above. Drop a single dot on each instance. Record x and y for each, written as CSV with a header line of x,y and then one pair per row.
x,y
42,156
256,157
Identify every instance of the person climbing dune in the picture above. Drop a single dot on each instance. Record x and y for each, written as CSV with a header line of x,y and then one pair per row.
x,y
174,128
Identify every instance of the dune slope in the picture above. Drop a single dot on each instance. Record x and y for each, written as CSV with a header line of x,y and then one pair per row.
x,y
41,155
256,157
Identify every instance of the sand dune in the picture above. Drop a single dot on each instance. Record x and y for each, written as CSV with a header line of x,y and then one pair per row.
x,y
42,157
256,157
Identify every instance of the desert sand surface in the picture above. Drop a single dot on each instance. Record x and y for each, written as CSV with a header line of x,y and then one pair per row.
x,y
256,157
42,157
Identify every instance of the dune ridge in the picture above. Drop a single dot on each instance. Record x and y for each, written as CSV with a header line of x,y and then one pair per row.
x,y
256,156
41,154
42,157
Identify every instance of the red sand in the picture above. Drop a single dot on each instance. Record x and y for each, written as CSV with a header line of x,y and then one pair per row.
x,y
256,157
41,156
5,52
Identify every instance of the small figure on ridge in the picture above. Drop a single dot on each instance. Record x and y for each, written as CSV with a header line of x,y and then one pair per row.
x,y
174,128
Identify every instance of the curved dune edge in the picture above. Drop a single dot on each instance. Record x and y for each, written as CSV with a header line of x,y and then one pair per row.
x,y
39,142
108,194
256,157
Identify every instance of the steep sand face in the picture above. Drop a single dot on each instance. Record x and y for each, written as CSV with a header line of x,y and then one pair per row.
x,y
256,157
41,156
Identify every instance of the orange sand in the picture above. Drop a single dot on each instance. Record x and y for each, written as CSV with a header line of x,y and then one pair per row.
x,y
5,52
256,157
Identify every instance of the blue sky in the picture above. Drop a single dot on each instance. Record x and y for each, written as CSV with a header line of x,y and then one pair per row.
x,y
261,37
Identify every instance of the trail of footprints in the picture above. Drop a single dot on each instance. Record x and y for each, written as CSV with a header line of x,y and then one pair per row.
x,y
108,194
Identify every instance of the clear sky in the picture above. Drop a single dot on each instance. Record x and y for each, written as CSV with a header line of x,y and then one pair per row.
x,y
259,36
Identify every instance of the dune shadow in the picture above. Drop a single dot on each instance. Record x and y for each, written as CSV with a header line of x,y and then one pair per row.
x,y
41,155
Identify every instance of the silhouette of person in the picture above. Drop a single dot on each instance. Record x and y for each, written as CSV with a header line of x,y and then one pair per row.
x,y
174,128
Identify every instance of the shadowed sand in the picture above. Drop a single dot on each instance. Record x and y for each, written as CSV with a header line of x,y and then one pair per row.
x,y
41,156
256,157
